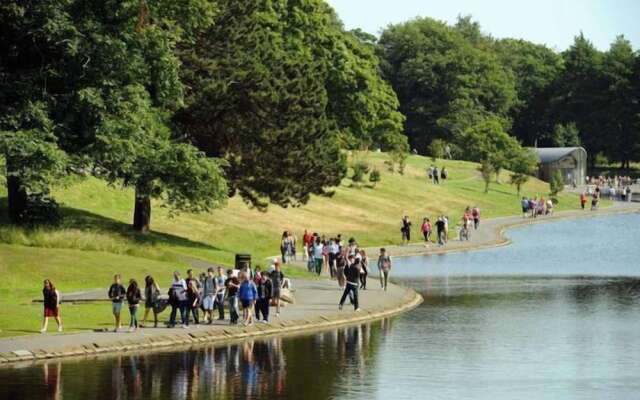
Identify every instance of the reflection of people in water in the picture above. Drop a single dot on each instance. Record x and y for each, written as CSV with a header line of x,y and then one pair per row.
x,y
52,384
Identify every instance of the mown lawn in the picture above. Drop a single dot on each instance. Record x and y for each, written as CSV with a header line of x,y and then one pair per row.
x,y
95,241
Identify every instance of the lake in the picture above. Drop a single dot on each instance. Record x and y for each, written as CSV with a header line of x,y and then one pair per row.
x,y
554,315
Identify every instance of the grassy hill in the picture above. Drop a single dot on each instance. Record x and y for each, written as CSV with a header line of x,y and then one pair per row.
x,y
95,240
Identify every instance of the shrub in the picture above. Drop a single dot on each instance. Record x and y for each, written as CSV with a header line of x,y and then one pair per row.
x,y
374,177
360,169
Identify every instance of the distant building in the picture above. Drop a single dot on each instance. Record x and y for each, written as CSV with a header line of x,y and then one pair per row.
x,y
570,161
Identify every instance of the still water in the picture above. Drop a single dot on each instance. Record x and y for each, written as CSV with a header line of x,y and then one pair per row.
x,y
556,315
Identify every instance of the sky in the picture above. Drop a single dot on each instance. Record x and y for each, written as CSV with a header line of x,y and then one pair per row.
x,y
551,22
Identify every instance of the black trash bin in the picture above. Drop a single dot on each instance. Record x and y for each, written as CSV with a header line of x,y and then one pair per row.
x,y
243,260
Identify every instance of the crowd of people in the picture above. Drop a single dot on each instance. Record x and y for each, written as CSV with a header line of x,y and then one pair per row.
x,y
436,175
470,221
612,188
534,207
252,291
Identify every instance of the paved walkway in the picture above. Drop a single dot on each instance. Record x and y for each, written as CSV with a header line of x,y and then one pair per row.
x,y
315,307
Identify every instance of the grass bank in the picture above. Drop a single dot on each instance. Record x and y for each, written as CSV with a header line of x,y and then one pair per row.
x,y
95,240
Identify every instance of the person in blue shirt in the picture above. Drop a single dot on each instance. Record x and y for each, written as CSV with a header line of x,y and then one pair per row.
x,y
248,295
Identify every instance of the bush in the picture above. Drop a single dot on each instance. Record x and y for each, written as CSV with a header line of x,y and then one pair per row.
x,y
374,177
360,169
436,149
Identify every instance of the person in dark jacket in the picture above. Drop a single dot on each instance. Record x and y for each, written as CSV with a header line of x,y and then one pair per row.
x,y
51,300
265,289
193,295
352,276
151,298
133,299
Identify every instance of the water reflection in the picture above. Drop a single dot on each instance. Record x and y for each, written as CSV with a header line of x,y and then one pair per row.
x,y
320,366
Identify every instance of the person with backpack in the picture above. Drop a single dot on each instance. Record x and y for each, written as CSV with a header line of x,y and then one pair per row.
x,y
384,267
440,230
133,299
352,275
364,268
264,289
151,298
51,301
247,293
117,295
178,300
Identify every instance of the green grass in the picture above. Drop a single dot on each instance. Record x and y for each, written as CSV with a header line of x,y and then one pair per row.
x,y
95,241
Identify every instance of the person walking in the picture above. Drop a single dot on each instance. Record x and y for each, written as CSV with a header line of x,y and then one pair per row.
x,y
117,295
384,266
475,213
232,284
220,289
426,230
318,256
151,297
277,280
341,264
208,296
247,294
264,290
194,298
406,230
352,274
133,299
178,300
440,230
436,176
51,301
364,269
583,200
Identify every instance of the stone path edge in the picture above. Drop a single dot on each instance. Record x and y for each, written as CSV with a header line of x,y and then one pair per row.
x,y
411,300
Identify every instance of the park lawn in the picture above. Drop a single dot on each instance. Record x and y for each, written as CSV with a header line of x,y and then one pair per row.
x,y
95,240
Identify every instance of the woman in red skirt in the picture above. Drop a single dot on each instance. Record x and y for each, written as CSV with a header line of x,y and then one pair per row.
x,y
51,305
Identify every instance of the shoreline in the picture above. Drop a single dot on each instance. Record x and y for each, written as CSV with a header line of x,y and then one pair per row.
x,y
28,349
492,232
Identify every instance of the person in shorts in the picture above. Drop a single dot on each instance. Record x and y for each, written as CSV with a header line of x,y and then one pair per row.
x,y
247,293
51,301
277,280
117,294
208,295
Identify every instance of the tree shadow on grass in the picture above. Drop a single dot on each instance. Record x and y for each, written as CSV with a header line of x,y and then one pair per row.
x,y
83,220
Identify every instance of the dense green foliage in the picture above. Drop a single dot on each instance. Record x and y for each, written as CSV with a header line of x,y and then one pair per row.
x,y
269,91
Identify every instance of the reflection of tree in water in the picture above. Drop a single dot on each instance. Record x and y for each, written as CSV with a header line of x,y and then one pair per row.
x,y
324,365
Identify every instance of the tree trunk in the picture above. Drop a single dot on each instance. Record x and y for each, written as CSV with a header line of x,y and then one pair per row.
x,y
142,213
16,198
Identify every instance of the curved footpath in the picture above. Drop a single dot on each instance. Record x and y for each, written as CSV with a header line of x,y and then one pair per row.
x,y
315,307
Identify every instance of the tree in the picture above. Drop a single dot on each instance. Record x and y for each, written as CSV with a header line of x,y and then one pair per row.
x,y
281,88
486,171
565,135
435,69
579,94
536,70
83,64
134,148
436,149
522,165
621,102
